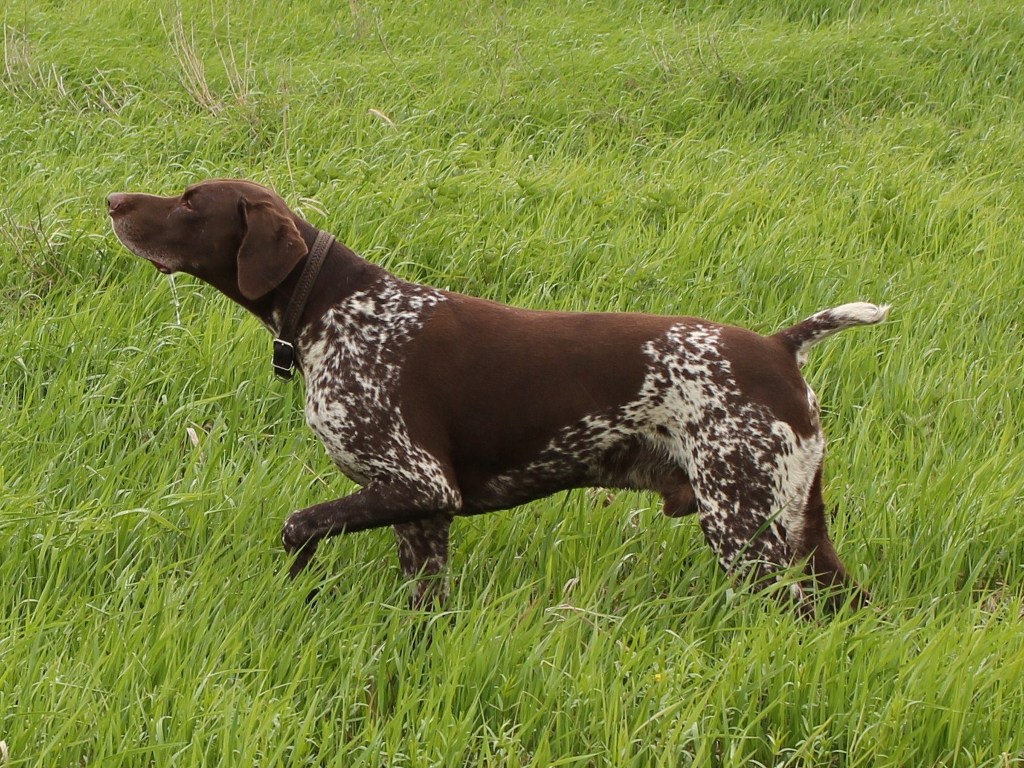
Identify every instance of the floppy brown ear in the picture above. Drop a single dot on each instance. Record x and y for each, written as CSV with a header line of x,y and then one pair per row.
x,y
270,249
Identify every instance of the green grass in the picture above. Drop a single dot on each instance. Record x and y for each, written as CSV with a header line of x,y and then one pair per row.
x,y
751,162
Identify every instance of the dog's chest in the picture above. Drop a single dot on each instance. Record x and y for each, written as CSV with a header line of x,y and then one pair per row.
x,y
352,364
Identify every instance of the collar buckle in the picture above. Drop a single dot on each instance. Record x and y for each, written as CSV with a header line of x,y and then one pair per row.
x,y
284,358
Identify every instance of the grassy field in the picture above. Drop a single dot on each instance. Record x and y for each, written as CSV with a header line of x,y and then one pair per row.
x,y
750,162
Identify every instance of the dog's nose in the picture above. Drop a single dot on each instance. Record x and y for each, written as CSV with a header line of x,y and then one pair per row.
x,y
116,202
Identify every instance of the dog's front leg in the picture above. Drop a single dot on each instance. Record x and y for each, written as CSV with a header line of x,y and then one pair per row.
x,y
375,506
423,555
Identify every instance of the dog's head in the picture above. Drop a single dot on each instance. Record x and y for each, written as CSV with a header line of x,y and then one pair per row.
x,y
236,235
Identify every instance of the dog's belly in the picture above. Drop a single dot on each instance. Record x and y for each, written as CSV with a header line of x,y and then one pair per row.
x,y
579,458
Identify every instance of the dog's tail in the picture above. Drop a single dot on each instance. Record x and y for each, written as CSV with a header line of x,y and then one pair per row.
x,y
801,337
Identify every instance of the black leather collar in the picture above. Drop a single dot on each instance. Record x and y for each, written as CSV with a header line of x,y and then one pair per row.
x,y
284,345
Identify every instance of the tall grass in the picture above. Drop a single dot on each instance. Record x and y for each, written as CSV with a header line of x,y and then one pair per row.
x,y
749,162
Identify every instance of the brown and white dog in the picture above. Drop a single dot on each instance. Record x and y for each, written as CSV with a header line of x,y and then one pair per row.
x,y
441,405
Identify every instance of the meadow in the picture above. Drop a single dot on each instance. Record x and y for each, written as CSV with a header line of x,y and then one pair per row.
x,y
748,162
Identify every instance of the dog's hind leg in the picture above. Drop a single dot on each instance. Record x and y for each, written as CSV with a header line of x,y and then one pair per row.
x,y
749,544
763,517
823,564
747,482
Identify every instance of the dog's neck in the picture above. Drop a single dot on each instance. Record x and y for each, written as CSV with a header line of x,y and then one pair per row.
x,y
343,273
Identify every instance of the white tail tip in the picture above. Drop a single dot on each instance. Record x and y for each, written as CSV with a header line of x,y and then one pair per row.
x,y
860,313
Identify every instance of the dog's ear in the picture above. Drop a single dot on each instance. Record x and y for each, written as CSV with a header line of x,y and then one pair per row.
x,y
271,247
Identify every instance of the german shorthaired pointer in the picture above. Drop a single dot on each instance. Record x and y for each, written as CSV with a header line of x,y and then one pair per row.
x,y
441,405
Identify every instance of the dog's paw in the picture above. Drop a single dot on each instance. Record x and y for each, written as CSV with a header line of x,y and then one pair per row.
x,y
297,532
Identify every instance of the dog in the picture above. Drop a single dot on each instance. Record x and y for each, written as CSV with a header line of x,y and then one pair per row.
x,y
441,405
